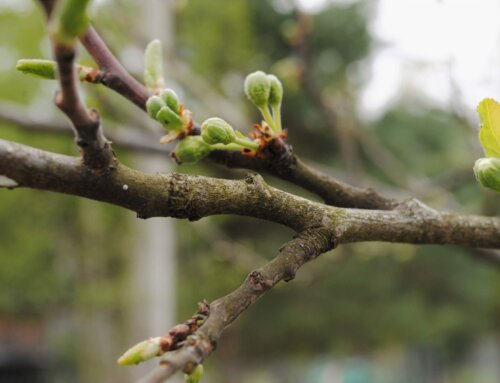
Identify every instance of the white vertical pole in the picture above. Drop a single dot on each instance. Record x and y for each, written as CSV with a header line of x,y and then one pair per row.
x,y
155,258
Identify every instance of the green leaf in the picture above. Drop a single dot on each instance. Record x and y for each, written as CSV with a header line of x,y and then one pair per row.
x,y
489,135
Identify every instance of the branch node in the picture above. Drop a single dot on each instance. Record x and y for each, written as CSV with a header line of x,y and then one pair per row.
x,y
258,282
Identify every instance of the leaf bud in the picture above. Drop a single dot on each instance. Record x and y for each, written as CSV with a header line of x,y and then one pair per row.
x,y
69,20
276,92
169,119
171,99
195,376
45,69
141,352
257,88
153,105
153,66
190,150
217,131
487,171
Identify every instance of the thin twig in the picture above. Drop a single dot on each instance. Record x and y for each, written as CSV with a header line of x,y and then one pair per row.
x,y
306,246
122,136
96,149
115,76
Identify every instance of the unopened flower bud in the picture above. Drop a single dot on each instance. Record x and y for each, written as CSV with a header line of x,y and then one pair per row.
x,y
153,105
171,99
195,376
487,171
141,352
217,131
257,88
169,119
191,149
276,92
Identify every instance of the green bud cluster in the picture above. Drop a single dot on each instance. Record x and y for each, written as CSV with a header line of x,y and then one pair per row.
x,y
265,91
166,109
487,171
216,134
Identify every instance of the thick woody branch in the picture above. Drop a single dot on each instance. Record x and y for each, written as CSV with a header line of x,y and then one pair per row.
x,y
280,160
306,246
194,197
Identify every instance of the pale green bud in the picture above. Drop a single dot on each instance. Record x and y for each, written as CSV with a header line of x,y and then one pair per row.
x,y
257,88
169,119
195,376
171,99
191,149
153,65
141,352
276,92
153,105
70,20
217,131
487,171
45,69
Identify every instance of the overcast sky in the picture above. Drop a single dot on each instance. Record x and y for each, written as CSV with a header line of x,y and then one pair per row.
x,y
425,46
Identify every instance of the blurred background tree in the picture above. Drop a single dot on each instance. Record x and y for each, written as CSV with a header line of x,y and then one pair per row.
x,y
363,313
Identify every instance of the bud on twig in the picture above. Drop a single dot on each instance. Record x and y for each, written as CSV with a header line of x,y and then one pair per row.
x,y
45,69
275,98
266,91
169,119
70,20
141,352
217,131
487,171
153,66
195,376
257,88
171,99
154,105
190,150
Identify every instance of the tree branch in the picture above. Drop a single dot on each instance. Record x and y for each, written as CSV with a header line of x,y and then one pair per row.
x,y
193,197
124,137
96,150
304,247
279,160
114,75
